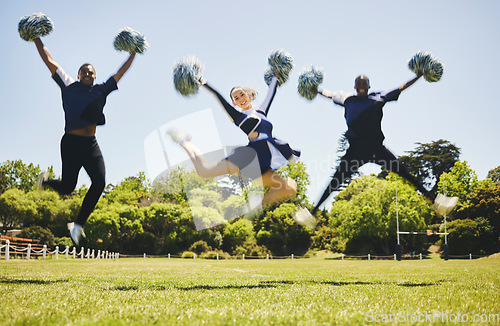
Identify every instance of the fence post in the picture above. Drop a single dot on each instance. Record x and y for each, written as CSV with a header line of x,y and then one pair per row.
x,y
7,249
117,256
267,257
99,254
144,255
420,256
194,256
74,253
342,256
470,256
395,258
292,256
66,252
368,256
93,253
168,256
57,252
44,251
82,252
243,256
28,253
88,253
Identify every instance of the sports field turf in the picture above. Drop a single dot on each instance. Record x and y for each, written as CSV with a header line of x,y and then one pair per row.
x,y
136,291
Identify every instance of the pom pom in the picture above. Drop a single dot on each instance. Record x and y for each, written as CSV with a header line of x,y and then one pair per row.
x,y
269,74
35,25
130,40
281,63
187,75
426,64
309,80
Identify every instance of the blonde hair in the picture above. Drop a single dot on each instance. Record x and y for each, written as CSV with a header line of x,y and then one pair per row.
x,y
251,93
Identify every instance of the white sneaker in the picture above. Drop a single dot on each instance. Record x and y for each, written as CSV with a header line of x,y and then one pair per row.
x,y
305,218
42,177
444,204
178,136
76,232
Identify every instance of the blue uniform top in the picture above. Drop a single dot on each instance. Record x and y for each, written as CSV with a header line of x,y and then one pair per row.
x,y
363,114
83,105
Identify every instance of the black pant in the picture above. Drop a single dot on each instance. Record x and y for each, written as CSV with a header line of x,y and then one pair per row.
x,y
77,152
360,153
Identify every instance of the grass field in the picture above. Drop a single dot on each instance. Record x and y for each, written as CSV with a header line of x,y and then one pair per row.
x,y
137,291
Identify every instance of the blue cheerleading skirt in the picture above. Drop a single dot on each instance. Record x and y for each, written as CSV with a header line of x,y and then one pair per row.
x,y
263,155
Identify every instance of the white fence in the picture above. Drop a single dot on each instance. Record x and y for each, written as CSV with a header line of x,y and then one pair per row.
x,y
7,250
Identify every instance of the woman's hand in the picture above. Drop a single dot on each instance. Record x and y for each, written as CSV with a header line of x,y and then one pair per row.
x,y
253,135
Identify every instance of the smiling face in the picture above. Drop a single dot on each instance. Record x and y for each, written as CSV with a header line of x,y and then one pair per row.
x,y
241,98
86,74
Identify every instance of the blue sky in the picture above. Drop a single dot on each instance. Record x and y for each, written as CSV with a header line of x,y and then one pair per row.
x,y
233,40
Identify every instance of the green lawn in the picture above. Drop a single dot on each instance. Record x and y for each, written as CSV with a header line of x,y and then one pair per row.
x,y
135,291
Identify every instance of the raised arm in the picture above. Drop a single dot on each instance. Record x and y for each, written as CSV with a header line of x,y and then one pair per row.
x,y
409,83
338,97
270,95
123,69
46,56
234,114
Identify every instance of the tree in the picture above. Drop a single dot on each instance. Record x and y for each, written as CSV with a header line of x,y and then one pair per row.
x,y
484,203
297,171
37,232
470,236
363,216
46,205
16,174
172,225
235,234
429,160
130,191
14,208
277,230
494,175
461,181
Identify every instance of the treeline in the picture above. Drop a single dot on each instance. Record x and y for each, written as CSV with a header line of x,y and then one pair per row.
x,y
136,217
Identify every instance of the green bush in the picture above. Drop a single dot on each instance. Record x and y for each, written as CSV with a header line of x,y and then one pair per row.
x,y
63,242
188,254
470,236
213,255
200,247
38,233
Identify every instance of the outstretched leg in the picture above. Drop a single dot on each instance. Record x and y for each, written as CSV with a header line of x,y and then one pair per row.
x,y
347,167
388,160
205,170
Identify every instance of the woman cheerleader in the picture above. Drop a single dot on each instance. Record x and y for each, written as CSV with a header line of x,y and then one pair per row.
x,y
271,153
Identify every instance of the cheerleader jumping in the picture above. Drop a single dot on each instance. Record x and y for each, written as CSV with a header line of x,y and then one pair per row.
x,y
271,153
363,114
83,103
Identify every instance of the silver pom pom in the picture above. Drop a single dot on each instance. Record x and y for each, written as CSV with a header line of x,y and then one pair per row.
x,y
426,64
309,80
35,25
281,63
269,74
130,40
187,75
